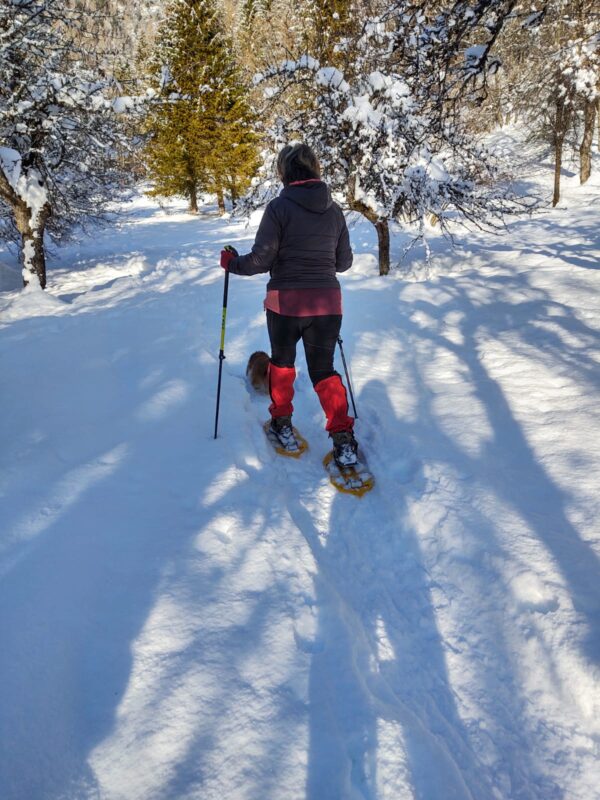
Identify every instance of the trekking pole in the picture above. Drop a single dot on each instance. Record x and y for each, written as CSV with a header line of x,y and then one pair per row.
x,y
340,342
222,350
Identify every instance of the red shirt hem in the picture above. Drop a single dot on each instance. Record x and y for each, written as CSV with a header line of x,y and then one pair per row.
x,y
304,302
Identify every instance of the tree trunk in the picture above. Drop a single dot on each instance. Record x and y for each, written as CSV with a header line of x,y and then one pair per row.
x,y
561,124
381,226
585,151
383,237
221,200
193,198
33,256
30,226
558,145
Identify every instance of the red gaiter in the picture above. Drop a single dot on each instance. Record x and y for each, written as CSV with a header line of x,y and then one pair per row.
x,y
332,394
281,389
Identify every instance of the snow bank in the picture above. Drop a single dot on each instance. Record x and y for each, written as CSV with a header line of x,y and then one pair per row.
x,y
185,617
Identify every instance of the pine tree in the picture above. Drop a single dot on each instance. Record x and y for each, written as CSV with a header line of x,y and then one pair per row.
x,y
332,24
268,29
201,126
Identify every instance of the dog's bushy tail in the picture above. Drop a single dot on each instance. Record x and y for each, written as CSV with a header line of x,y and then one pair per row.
x,y
257,371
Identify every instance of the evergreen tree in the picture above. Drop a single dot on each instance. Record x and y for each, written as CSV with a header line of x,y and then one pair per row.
x,y
201,126
268,29
332,24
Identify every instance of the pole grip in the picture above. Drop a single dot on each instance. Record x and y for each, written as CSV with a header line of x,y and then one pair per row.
x,y
223,321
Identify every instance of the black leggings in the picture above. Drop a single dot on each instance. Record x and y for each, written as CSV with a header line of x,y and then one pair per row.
x,y
319,336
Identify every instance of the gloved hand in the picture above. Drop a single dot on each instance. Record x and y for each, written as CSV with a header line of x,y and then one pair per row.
x,y
227,253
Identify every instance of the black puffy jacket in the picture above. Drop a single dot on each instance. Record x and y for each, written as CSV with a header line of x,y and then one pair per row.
x,y
302,240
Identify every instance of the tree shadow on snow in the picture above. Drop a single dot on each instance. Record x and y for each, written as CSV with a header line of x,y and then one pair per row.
x,y
383,708
104,527
508,464
371,555
382,705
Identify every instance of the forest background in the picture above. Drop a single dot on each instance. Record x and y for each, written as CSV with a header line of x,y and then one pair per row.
x,y
197,96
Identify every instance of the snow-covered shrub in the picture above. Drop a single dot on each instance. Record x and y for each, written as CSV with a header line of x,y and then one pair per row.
x,y
387,120
61,136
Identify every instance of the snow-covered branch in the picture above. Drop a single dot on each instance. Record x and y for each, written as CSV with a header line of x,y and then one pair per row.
x,y
61,133
385,119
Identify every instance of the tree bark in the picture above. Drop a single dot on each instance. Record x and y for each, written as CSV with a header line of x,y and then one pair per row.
x,y
33,256
585,151
381,226
557,168
561,124
193,200
221,200
383,237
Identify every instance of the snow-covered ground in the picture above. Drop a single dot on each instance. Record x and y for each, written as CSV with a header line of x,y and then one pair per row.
x,y
189,618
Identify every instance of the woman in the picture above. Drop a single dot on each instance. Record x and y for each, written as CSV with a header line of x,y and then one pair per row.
x,y
303,242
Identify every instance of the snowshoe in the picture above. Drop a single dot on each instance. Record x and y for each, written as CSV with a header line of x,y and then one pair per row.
x,y
355,479
346,470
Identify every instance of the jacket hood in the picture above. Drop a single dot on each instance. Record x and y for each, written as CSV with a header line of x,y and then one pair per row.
x,y
315,196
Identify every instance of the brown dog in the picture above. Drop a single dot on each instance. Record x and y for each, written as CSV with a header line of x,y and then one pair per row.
x,y
257,371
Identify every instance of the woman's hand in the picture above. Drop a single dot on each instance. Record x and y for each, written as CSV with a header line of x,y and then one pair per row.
x,y
227,254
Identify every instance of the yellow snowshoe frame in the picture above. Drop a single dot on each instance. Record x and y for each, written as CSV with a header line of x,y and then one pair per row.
x,y
343,479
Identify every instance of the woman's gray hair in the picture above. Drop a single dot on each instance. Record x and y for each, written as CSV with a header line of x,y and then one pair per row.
x,y
297,162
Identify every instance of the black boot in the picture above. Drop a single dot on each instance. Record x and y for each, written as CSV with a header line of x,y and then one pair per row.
x,y
345,449
281,428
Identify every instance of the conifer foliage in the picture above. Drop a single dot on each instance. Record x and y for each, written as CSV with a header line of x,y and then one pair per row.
x,y
201,127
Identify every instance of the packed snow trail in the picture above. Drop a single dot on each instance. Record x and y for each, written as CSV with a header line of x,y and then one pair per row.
x,y
189,618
